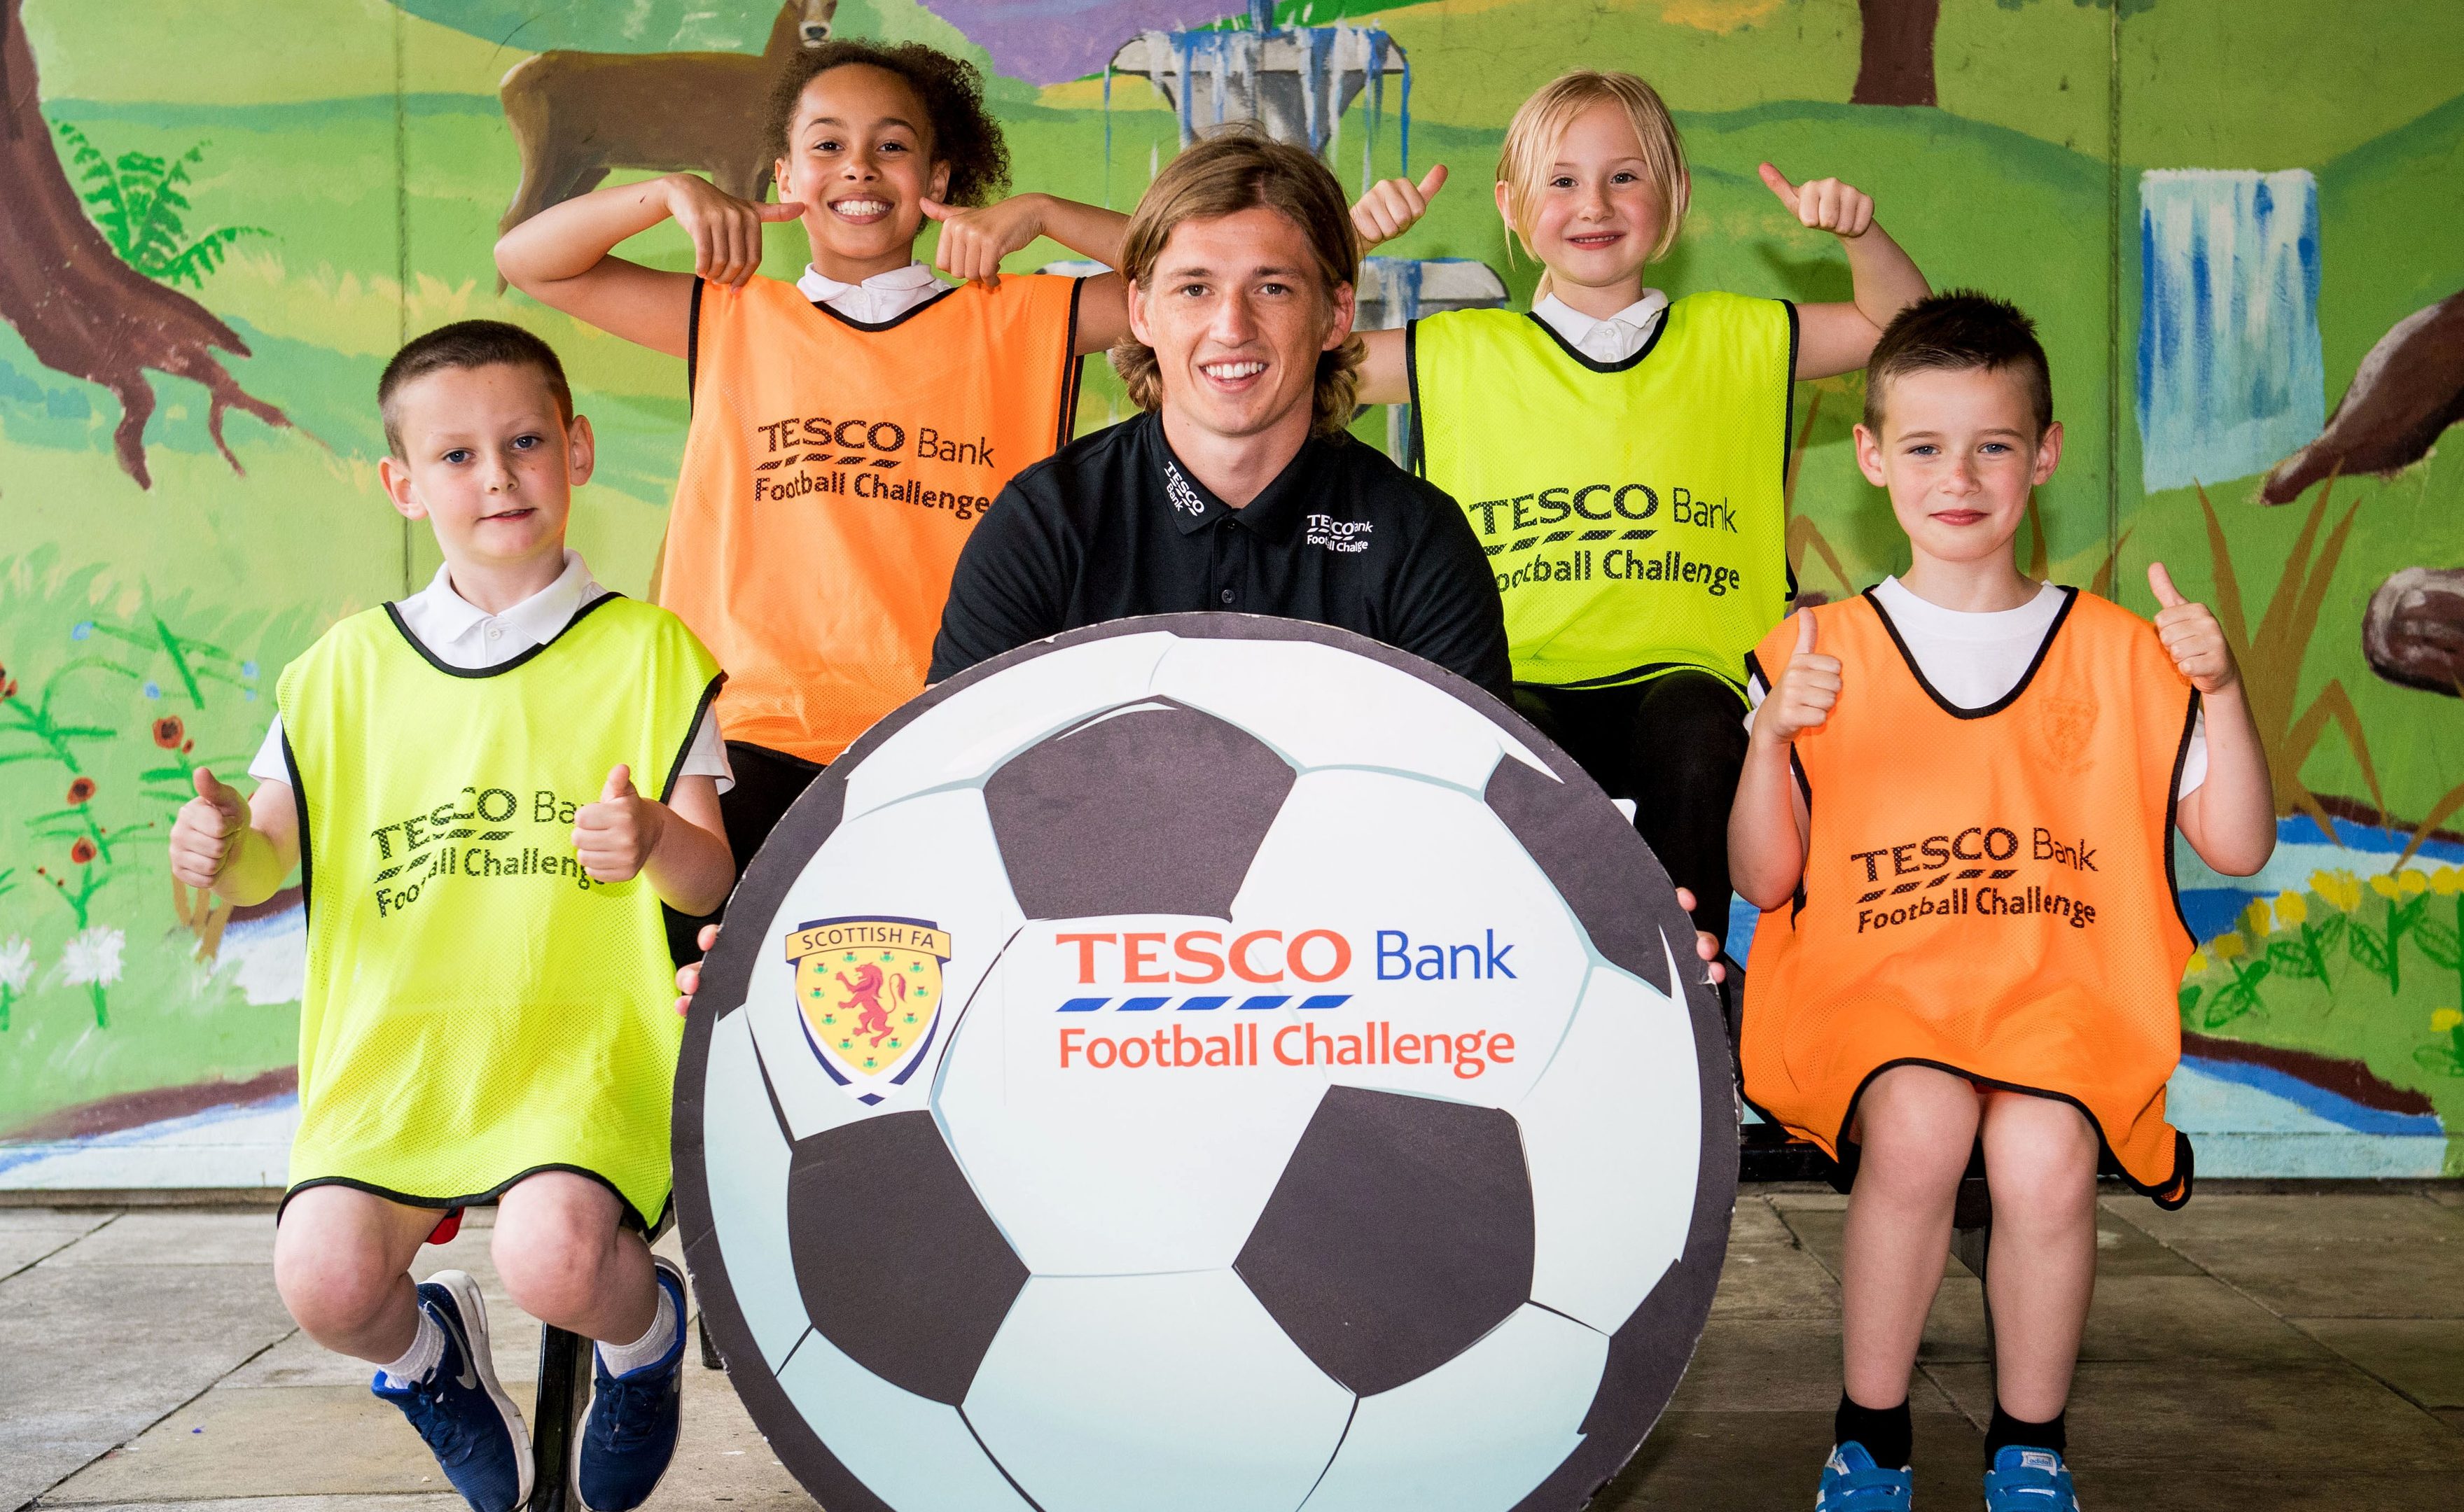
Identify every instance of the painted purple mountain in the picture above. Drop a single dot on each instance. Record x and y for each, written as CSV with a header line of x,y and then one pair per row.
x,y
1045,42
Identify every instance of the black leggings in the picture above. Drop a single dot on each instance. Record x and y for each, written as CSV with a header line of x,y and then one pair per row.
x,y
1675,745
767,784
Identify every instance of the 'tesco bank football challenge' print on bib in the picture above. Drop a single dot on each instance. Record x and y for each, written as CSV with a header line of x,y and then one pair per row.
x,y
1207,1062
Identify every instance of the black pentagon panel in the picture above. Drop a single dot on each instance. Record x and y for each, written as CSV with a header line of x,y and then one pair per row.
x,y
898,1263
1157,808
1399,1233
1600,865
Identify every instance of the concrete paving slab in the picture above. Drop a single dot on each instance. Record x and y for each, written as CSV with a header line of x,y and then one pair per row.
x,y
2310,1429
1758,1366
2421,1357
28,1234
2319,1216
176,1239
446,1502
1775,1280
2321,1277
1755,1223
95,1353
1704,1459
2122,1249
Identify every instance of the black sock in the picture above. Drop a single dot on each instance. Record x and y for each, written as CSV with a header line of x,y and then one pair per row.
x,y
1885,1431
2006,1432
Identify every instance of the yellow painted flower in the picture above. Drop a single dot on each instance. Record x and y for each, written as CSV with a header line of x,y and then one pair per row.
x,y
2256,920
2384,886
2339,887
2447,881
2197,965
2443,1019
2225,947
2413,884
2291,908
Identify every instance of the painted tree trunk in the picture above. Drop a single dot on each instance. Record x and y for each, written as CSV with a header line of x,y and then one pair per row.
x,y
1895,65
81,310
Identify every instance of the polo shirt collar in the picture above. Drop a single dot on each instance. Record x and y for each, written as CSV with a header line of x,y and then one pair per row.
x,y
1196,508
445,615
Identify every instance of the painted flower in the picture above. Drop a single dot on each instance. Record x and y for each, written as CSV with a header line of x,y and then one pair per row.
x,y
2291,910
82,851
92,957
2197,965
2441,1019
2447,881
168,732
2413,883
80,789
152,688
2339,887
2256,919
2225,947
248,669
17,963
2385,886
81,629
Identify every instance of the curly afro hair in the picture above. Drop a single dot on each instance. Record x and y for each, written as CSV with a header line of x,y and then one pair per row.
x,y
964,133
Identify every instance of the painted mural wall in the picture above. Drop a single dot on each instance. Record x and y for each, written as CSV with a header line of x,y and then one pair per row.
x,y
2235,220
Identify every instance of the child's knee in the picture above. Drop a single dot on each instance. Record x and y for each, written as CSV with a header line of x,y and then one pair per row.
x,y
551,1256
2042,1153
334,1291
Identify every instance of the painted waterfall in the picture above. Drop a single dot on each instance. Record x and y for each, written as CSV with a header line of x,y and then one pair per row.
x,y
2229,374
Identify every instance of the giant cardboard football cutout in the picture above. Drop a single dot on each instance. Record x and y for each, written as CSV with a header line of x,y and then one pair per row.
x,y
1207,1062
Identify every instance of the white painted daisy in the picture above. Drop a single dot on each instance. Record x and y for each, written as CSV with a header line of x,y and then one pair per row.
x,y
17,963
92,957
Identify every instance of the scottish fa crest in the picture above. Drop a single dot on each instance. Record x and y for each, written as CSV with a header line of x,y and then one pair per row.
x,y
868,990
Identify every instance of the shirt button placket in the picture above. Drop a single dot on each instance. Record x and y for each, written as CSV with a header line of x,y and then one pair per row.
x,y
1226,594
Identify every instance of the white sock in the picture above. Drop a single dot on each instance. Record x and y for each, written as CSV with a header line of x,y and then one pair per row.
x,y
420,1360
651,1346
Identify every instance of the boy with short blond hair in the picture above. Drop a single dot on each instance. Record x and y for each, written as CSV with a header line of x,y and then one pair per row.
x,y
1956,815
484,1016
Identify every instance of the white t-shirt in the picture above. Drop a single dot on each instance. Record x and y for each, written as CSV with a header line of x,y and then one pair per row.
x,y
461,635
883,297
1973,660
1610,340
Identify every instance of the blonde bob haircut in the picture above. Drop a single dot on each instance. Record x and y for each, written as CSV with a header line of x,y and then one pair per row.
x,y
1236,169
1531,147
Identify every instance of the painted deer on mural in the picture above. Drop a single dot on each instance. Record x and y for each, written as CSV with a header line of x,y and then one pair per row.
x,y
579,116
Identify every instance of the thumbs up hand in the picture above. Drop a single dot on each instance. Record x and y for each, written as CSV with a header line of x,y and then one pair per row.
x,y
973,242
615,836
2193,636
1392,205
1802,698
207,830
1826,205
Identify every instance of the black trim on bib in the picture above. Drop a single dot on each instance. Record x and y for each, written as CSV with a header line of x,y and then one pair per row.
x,y
1415,451
701,711
631,1217
693,345
300,804
2179,1183
1788,412
1073,368
1639,674
1658,329
2172,807
579,615
900,319
2061,617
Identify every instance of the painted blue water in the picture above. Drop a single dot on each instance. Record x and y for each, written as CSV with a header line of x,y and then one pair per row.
x,y
2231,379
1334,63
2334,1106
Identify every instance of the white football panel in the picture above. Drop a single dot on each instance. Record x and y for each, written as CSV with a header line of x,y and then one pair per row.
x,y
1319,706
1381,860
1130,1394
931,858
745,1163
1613,1135
915,1454
966,735
1478,1432
1118,1171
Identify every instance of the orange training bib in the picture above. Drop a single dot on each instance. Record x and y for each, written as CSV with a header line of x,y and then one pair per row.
x,y
831,472
1988,890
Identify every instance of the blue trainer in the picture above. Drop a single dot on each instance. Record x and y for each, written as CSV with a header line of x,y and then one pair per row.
x,y
631,1434
1852,1483
2029,1480
467,1418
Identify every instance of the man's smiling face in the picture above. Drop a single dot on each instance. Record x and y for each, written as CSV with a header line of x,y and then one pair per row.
x,y
1238,312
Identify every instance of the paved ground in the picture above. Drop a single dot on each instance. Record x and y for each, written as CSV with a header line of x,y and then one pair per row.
x,y
2250,1351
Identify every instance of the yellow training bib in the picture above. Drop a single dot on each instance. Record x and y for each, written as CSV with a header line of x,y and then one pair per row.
x,y
476,1008
1633,513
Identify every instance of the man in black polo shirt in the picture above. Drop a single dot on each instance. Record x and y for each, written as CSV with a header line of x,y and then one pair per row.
x,y
1237,489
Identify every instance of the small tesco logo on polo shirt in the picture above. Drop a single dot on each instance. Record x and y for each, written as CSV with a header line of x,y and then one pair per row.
x,y
1345,536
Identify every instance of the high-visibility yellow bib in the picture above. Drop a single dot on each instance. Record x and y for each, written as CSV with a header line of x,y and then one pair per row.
x,y
476,1008
1634,512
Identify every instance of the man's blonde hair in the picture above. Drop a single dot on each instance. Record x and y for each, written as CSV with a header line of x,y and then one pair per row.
x,y
1237,169
1531,146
